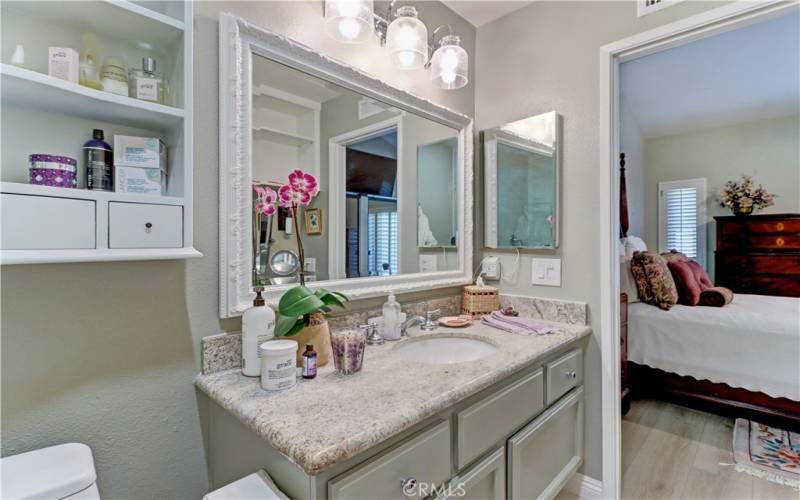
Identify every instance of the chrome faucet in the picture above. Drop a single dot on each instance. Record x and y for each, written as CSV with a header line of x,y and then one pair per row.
x,y
425,323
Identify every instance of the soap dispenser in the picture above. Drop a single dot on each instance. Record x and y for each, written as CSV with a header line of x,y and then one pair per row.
x,y
391,318
258,326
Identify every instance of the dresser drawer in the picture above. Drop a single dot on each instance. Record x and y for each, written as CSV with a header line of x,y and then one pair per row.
x,y
563,374
424,458
759,264
46,223
761,285
544,455
491,420
750,242
756,226
140,225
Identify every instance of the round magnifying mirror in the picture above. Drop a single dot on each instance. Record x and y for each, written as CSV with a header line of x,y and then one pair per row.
x,y
284,263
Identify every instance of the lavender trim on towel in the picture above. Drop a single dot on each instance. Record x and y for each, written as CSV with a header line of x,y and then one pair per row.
x,y
516,325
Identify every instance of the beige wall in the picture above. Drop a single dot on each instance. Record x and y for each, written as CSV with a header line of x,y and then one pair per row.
x,y
768,149
105,353
541,58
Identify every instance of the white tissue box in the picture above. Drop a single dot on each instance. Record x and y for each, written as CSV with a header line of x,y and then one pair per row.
x,y
62,62
140,165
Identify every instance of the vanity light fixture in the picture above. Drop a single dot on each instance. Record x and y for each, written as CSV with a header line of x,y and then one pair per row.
x,y
349,21
353,21
407,39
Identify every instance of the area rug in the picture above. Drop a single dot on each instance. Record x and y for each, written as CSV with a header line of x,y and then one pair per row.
x,y
767,452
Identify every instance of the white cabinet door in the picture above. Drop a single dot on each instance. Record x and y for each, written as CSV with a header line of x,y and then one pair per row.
x,y
141,225
545,453
46,223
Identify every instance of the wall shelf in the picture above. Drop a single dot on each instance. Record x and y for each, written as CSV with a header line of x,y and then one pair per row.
x,y
282,136
23,87
116,18
43,114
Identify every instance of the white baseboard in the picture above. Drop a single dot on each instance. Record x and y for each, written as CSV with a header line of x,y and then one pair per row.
x,y
585,487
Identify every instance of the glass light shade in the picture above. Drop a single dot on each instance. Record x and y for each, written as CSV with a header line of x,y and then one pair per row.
x,y
407,39
349,21
450,64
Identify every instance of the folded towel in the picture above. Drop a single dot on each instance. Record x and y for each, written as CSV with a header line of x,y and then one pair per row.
x,y
717,296
517,325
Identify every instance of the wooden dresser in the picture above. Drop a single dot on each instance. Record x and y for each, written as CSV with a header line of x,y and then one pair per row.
x,y
759,254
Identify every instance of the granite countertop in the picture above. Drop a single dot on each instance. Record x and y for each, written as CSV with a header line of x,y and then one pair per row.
x,y
323,421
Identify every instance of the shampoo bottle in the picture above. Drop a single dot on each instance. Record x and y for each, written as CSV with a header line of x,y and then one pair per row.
x,y
391,318
258,326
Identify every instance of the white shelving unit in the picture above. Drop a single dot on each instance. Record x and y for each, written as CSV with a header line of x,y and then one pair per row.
x,y
46,115
286,130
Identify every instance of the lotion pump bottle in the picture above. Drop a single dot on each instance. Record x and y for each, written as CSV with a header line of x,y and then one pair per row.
x,y
258,326
391,318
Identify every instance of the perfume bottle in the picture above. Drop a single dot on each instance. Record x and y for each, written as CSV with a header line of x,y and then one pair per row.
x,y
147,84
89,67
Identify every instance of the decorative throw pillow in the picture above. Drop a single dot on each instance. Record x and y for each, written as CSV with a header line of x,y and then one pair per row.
x,y
674,255
627,284
700,275
654,280
717,296
688,287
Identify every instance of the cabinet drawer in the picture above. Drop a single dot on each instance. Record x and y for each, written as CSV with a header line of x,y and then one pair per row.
x,y
487,422
485,481
563,374
424,458
46,223
759,264
139,225
544,455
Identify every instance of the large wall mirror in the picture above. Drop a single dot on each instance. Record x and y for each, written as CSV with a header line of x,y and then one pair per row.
x,y
393,174
522,164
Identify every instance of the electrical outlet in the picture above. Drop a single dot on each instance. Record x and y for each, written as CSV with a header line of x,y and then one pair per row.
x,y
310,265
546,272
490,269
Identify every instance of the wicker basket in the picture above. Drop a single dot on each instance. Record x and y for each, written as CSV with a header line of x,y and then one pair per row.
x,y
479,300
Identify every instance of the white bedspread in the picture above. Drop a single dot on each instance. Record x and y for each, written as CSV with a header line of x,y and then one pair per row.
x,y
752,343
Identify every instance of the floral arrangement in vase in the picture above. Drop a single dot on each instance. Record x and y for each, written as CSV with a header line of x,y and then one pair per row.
x,y
301,311
744,196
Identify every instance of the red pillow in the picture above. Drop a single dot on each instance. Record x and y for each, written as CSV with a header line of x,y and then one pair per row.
x,y
700,275
689,288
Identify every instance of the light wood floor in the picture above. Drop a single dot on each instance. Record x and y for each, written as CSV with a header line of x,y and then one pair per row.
x,y
669,451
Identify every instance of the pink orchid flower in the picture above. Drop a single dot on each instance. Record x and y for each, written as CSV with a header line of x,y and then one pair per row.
x,y
292,198
550,219
303,181
265,199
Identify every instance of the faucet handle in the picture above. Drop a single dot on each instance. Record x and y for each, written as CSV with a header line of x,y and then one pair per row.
x,y
429,324
429,315
373,336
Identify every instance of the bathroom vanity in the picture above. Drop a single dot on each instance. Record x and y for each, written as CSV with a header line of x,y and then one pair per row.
x,y
506,425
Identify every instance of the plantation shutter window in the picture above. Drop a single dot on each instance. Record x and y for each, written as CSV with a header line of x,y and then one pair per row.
x,y
383,243
682,218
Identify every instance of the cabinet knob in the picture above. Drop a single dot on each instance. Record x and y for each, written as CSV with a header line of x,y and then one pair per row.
x,y
779,226
409,486
780,242
148,226
571,374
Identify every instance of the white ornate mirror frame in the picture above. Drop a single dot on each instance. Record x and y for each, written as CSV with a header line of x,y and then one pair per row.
x,y
239,40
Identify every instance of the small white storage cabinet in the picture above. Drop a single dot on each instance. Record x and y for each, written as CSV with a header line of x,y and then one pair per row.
x,y
45,115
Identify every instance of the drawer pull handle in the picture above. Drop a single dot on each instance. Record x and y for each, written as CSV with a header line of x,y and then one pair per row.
x,y
571,374
780,242
409,486
779,226
148,226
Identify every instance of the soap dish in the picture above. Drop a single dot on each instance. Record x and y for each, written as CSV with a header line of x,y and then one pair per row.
x,y
456,321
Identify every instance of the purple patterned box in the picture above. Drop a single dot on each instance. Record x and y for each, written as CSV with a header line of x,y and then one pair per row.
x,y
53,170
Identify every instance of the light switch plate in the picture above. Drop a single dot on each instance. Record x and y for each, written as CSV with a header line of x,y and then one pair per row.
x,y
490,269
546,272
310,265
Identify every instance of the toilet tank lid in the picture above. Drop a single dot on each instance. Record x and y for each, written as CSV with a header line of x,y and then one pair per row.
x,y
54,472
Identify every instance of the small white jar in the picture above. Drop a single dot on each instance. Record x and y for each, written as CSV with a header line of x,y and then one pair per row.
x,y
278,364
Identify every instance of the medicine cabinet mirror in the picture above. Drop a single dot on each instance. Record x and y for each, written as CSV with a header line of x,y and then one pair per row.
x,y
522,164
394,174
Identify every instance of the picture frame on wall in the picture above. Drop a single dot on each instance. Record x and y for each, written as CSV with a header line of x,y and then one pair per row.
x,y
313,221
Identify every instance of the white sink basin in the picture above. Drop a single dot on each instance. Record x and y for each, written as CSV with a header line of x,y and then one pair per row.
x,y
439,350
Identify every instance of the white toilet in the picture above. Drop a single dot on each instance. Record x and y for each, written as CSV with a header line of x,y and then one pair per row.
x,y
63,471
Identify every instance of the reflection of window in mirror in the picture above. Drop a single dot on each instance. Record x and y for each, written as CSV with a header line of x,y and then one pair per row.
x,y
436,193
372,226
